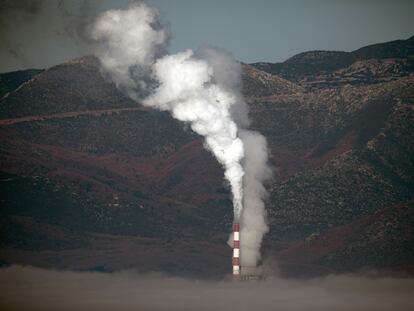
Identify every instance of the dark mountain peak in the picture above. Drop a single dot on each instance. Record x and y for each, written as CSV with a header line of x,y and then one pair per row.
x,y
391,49
317,55
10,81
315,66
258,83
83,60
76,85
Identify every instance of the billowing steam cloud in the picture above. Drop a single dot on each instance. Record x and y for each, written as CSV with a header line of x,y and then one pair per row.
x,y
202,88
188,90
129,41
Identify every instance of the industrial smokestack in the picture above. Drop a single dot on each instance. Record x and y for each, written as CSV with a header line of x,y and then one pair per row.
x,y
236,249
203,89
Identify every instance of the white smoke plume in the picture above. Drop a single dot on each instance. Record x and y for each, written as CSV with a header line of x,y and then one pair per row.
x,y
128,43
256,172
202,88
187,90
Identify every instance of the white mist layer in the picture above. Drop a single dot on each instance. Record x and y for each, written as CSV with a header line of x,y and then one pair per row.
x,y
27,288
202,88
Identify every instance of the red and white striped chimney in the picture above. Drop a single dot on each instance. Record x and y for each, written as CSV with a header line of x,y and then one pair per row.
x,y
236,249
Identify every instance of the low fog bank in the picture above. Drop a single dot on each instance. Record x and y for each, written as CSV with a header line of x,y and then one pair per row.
x,y
28,288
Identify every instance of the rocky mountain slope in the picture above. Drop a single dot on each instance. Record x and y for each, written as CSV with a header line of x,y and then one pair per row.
x,y
91,180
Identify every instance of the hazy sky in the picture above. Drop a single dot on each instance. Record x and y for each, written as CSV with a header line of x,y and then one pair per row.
x,y
41,33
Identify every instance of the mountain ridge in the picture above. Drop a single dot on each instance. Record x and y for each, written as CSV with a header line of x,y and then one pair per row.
x,y
317,65
86,173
